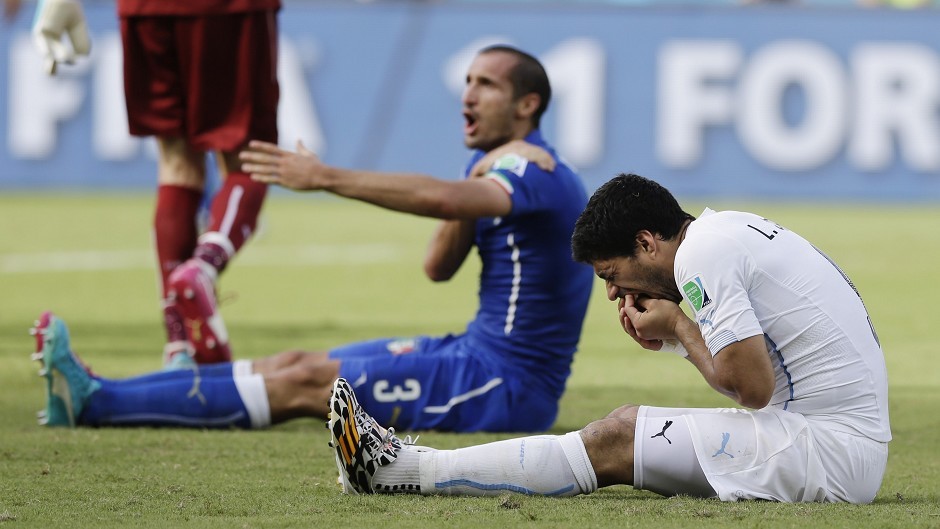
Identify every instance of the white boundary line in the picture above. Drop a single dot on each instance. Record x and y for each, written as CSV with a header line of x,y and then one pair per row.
x,y
277,256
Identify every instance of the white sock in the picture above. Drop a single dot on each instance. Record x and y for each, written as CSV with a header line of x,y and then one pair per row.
x,y
241,368
577,457
548,465
399,476
254,396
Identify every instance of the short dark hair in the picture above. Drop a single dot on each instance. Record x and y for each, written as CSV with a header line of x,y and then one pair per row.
x,y
617,211
527,76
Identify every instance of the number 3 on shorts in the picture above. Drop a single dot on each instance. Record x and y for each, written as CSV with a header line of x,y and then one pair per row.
x,y
407,391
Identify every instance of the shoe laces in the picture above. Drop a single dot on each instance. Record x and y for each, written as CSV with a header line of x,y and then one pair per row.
x,y
398,442
390,439
406,443
409,441
379,439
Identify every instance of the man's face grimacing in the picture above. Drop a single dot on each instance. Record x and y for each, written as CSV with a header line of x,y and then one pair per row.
x,y
489,108
632,275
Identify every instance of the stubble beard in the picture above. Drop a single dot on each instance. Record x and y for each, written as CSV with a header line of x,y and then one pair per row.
x,y
503,131
663,285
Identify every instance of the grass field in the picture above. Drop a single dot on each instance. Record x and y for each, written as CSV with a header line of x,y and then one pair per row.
x,y
324,272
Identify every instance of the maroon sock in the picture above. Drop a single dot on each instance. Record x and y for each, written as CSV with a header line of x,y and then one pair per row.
x,y
212,253
232,220
173,321
175,231
174,227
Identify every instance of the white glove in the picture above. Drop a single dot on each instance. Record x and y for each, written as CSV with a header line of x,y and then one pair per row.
x,y
56,19
674,346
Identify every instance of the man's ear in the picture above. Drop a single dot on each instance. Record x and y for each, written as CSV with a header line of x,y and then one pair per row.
x,y
528,104
645,241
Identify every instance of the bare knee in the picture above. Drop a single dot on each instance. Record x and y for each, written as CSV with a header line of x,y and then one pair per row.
x,y
180,165
627,411
289,358
302,389
314,371
609,445
281,360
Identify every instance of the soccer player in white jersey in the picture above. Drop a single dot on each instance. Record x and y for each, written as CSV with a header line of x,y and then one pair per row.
x,y
777,327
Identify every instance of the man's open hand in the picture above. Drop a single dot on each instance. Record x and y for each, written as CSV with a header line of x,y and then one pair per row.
x,y
530,152
268,163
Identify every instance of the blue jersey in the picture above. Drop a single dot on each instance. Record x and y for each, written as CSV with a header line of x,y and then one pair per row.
x,y
507,372
533,296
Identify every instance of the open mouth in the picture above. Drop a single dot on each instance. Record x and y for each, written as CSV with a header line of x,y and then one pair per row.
x,y
470,122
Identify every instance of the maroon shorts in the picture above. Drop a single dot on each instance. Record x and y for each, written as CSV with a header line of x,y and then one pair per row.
x,y
211,80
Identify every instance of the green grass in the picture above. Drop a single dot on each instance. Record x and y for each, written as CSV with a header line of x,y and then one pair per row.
x,y
325,272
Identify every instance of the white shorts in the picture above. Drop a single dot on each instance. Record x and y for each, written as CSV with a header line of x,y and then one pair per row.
x,y
753,454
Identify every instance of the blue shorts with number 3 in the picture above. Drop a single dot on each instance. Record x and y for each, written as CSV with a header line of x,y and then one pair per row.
x,y
425,383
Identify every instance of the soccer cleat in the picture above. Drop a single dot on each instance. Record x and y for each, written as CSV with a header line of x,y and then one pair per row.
x,y
69,384
361,446
192,288
178,355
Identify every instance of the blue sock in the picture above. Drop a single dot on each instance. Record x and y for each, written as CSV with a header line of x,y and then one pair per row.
x,y
205,371
191,401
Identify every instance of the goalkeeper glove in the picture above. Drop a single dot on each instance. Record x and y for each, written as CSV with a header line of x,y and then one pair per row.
x,y
56,20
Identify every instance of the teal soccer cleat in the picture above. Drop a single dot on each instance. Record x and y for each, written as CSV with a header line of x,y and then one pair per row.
x,y
68,382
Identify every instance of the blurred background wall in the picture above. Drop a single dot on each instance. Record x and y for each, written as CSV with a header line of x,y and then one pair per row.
x,y
822,99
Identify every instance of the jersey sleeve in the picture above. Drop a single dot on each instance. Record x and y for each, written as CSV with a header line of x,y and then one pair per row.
x,y
523,181
713,272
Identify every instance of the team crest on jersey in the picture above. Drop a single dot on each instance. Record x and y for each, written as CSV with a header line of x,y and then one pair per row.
x,y
400,347
696,293
512,163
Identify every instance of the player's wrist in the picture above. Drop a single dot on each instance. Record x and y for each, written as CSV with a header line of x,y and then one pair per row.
x,y
675,347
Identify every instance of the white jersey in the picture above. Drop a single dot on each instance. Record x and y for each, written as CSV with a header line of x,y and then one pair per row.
x,y
744,276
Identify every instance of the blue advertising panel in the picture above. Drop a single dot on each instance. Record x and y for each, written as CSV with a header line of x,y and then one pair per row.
x,y
739,102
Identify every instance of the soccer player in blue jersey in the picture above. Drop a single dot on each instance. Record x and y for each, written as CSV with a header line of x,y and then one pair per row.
x,y
505,372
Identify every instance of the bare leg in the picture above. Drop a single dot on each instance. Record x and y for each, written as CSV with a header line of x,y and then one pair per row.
x,y
302,387
180,165
609,444
277,362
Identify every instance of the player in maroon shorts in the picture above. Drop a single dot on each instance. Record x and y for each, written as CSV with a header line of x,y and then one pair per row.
x,y
200,76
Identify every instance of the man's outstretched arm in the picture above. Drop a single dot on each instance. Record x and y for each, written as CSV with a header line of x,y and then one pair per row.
x,y
411,193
